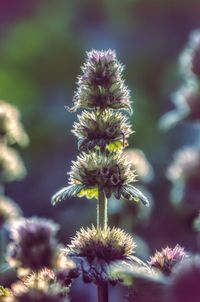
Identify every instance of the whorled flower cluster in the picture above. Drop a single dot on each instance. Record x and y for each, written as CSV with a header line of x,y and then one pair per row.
x,y
167,259
101,84
102,133
94,249
40,287
107,172
106,130
34,244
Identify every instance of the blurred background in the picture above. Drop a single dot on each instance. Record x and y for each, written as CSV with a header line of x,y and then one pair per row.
x,y
42,46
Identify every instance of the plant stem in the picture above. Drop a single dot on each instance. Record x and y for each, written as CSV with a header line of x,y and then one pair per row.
x,y
102,292
102,216
102,220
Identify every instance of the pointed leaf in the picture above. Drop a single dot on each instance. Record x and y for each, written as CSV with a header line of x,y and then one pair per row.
x,y
66,192
131,193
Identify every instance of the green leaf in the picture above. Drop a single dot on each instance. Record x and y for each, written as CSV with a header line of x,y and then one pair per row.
x,y
131,193
89,193
66,192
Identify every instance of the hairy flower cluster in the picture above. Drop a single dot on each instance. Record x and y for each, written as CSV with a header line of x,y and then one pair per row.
x,y
101,85
95,171
102,133
11,129
40,287
9,210
94,249
166,260
34,244
105,129
109,244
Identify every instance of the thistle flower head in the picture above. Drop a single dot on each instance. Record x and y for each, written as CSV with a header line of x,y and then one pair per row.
x,y
185,166
11,129
167,259
9,210
94,249
96,171
11,165
40,287
101,84
34,245
105,129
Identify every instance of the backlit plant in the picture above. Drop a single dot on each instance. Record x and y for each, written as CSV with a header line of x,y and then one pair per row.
x,y
101,169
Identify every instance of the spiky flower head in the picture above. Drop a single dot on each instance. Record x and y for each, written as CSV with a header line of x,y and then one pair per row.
x,y
94,249
9,210
34,244
101,84
96,171
11,129
105,129
11,165
108,244
40,287
166,260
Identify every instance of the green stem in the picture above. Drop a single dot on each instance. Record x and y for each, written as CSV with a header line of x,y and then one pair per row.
x,y
102,292
102,216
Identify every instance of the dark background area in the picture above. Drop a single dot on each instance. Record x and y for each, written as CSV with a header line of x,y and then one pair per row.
x,y
43,45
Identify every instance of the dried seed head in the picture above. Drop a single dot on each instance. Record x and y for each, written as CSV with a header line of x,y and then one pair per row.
x,y
93,250
8,210
34,245
101,84
166,260
11,165
105,129
11,129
